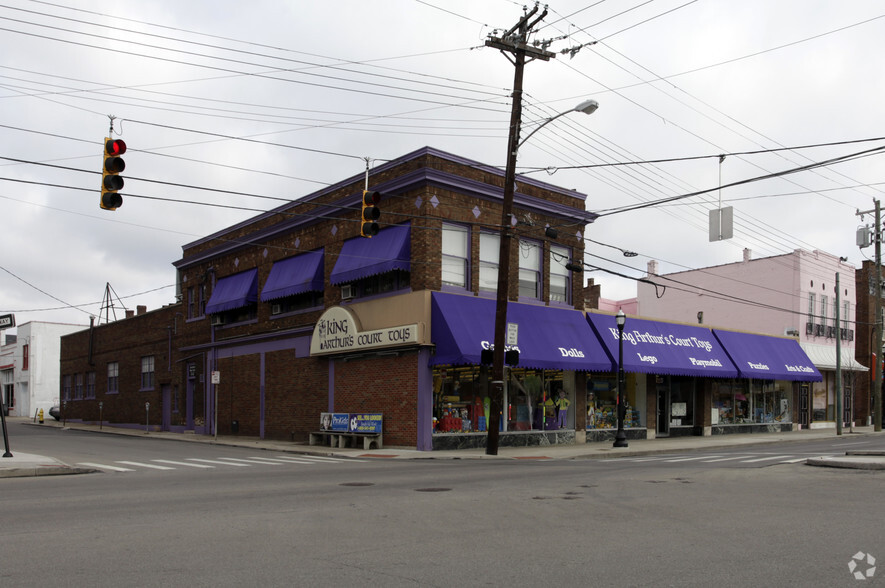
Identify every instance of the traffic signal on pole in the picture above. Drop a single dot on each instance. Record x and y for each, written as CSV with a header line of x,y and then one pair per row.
x,y
111,167
371,213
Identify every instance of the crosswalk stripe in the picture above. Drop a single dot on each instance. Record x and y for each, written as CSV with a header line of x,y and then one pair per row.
x,y
184,463
103,466
696,458
728,458
145,465
257,460
315,459
216,462
769,458
292,460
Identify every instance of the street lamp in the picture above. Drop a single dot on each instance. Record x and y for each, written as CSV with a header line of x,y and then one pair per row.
x,y
586,107
621,436
513,145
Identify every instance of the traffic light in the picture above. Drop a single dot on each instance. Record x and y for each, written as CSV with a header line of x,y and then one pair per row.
x,y
111,182
371,213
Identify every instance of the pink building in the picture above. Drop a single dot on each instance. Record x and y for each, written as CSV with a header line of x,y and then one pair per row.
x,y
792,295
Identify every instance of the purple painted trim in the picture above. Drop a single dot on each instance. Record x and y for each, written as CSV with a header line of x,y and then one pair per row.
x,y
425,401
261,404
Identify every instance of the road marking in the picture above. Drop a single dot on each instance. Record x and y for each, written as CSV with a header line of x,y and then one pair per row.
x,y
215,462
317,459
145,465
729,458
795,460
293,460
769,458
102,466
256,460
689,458
183,463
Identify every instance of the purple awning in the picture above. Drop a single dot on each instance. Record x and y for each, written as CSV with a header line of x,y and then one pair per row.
x,y
768,358
360,257
234,291
653,347
548,338
294,275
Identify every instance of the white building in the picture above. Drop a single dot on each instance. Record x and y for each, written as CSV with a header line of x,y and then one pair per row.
x,y
29,367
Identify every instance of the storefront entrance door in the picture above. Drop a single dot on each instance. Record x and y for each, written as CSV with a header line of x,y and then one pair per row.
x,y
663,428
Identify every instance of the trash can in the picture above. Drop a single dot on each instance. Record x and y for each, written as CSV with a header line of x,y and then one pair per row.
x,y
234,427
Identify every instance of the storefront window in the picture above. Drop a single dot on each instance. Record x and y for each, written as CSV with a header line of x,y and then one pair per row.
x,y
535,400
737,402
602,402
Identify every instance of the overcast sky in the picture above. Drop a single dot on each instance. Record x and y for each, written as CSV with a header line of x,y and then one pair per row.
x,y
277,99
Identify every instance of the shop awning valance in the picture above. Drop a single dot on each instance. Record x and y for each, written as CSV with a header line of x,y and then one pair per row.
x,y
234,291
294,275
824,357
766,357
360,257
654,347
548,338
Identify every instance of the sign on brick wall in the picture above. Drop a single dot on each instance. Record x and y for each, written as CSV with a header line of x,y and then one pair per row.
x,y
338,331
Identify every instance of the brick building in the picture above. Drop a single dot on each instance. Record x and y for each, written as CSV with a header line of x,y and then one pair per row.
x,y
262,304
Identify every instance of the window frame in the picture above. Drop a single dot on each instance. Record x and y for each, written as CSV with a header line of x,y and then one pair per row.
x,y
530,250
461,258
147,375
489,260
113,386
556,264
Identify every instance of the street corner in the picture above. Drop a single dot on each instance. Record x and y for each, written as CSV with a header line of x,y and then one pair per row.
x,y
854,462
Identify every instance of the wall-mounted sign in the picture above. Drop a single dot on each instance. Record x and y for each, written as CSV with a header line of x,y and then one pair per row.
x,y
338,331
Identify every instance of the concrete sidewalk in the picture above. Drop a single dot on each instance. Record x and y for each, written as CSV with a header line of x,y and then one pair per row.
x,y
22,464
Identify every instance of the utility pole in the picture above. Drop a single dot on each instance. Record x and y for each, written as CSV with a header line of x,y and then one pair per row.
x,y
876,343
839,418
511,42
877,393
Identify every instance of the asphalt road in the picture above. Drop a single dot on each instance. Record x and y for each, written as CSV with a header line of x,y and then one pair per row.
x,y
430,523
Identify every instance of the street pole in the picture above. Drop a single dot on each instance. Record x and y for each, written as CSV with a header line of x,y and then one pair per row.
x,y
515,44
877,393
621,435
839,418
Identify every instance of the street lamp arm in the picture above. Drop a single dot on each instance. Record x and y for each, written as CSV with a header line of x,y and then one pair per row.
x,y
587,107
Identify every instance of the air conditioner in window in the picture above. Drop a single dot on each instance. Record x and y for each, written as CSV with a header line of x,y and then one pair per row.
x,y
217,320
831,332
809,328
819,330
347,291
276,309
851,334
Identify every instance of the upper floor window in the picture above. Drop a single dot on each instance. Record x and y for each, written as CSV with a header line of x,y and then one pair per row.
x,y
824,305
560,278
529,269
66,387
147,372
78,387
455,255
489,254
26,356
846,308
90,384
113,377
811,307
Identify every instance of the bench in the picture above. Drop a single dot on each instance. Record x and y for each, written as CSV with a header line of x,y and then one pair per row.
x,y
343,439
